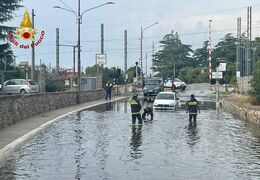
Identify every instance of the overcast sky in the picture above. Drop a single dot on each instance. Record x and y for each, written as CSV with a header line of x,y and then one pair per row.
x,y
187,17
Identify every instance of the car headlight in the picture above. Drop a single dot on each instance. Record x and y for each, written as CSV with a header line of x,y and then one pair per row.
x,y
172,104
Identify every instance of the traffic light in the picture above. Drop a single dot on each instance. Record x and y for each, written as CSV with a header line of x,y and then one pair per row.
x,y
221,81
212,81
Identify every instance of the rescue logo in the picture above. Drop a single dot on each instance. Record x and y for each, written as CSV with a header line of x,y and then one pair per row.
x,y
26,33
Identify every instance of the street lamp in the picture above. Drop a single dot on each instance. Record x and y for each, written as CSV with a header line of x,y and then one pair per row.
x,y
141,48
79,21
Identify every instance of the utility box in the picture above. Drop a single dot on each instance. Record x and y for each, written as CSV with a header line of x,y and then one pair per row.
x,y
87,83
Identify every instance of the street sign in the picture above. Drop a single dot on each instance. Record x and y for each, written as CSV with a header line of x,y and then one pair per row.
x,y
222,67
238,74
101,59
217,75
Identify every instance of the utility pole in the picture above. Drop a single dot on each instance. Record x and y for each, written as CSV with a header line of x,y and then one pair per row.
x,y
57,51
210,51
152,58
146,64
141,56
33,49
79,49
102,45
102,38
238,72
74,62
125,54
249,38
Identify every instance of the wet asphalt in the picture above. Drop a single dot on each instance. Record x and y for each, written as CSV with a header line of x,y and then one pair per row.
x,y
101,143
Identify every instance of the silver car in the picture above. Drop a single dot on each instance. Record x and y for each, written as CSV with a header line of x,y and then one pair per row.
x,y
20,86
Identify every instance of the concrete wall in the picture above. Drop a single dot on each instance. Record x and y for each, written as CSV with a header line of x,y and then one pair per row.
x,y
16,108
245,112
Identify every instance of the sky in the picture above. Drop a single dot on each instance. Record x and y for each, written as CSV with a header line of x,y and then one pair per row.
x,y
190,18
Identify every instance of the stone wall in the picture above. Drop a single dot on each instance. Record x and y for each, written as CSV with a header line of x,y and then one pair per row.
x,y
16,108
243,111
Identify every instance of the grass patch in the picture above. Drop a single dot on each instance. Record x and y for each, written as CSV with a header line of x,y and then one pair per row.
x,y
244,99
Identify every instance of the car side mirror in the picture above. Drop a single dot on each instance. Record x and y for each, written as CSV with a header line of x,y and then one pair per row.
x,y
177,98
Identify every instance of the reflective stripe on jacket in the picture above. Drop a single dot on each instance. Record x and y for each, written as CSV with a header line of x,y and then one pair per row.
x,y
109,87
193,106
135,106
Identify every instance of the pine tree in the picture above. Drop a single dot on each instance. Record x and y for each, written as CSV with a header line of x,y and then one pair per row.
x,y
7,7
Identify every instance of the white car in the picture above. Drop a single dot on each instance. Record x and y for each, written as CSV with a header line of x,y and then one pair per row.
x,y
178,84
166,101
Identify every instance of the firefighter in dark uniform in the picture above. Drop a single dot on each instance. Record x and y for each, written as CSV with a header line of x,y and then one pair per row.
x,y
147,111
109,86
193,109
136,109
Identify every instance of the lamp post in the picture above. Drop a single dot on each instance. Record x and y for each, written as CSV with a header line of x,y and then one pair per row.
x,y
141,49
79,21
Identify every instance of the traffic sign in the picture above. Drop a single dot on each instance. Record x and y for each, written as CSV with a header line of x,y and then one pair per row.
x,y
222,67
217,75
238,74
101,59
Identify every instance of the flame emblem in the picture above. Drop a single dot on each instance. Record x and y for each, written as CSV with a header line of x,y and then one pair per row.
x,y
26,32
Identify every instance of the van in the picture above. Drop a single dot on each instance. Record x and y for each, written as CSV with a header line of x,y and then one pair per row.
x,y
20,86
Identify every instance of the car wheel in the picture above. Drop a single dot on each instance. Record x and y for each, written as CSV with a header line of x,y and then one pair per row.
x,y
22,91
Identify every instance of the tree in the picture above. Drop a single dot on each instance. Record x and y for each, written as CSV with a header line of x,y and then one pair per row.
x,y
255,82
7,7
200,56
226,48
194,75
132,73
91,71
108,74
172,57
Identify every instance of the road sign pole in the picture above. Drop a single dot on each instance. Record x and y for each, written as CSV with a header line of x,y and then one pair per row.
x,y
2,83
217,92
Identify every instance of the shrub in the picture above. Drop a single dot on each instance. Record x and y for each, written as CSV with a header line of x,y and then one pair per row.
x,y
255,82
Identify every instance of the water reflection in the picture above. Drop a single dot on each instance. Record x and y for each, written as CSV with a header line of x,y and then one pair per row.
x,y
79,151
136,142
103,107
192,133
109,106
103,145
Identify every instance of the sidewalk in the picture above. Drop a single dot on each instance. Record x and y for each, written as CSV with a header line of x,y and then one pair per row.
x,y
12,137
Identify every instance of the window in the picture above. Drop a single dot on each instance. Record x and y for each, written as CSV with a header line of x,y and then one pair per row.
x,y
166,96
32,82
18,82
10,82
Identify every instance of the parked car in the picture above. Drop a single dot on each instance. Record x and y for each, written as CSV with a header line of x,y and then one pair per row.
x,y
20,86
182,103
166,101
177,84
152,87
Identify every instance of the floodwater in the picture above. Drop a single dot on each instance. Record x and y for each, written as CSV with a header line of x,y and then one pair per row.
x,y
100,143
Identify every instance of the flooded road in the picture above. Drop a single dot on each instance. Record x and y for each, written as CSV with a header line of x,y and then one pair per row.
x,y
100,143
